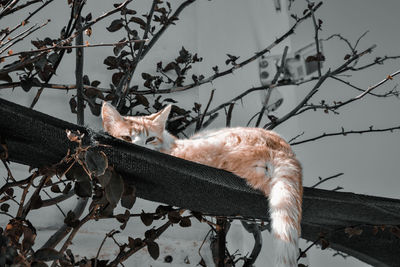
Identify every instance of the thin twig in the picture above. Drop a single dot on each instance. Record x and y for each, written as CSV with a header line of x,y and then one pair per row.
x,y
317,28
111,233
122,256
16,39
344,133
22,6
326,179
65,47
201,120
280,70
26,20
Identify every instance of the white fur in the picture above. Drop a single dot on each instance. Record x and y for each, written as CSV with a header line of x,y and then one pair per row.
x,y
282,204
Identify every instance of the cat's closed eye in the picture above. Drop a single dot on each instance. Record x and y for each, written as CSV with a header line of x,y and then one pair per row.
x,y
150,139
126,138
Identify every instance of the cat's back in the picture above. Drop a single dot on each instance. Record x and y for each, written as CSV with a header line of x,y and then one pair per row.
x,y
222,143
243,136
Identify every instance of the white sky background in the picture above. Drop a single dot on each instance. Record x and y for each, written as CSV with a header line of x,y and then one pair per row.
x,y
214,28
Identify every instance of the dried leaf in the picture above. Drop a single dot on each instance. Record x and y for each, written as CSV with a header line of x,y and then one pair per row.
x,y
128,197
36,202
154,249
83,188
73,105
55,188
114,189
146,218
116,78
70,220
115,25
174,217
4,207
139,21
133,243
185,222
324,243
95,83
96,162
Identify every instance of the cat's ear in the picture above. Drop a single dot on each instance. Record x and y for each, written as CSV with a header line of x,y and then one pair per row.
x,y
161,117
113,122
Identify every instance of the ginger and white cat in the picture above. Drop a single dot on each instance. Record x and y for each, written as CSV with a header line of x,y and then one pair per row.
x,y
261,157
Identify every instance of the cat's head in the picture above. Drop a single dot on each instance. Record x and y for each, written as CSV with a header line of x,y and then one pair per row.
x,y
148,131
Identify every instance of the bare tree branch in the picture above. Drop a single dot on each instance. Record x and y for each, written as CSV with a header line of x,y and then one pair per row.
x,y
344,133
326,179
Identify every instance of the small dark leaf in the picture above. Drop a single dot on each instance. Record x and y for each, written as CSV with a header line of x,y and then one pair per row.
x,y
146,218
10,191
83,188
95,109
85,80
150,234
96,162
88,17
4,207
324,243
170,66
130,11
116,78
174,216
36,202
147,76
114,189
133,243
73,105
215,69
70,220
55,188
163,210
141,99
95,83
154,249
47,254
67,188
185,222
139,21
170,100
122,217
26,84
128,197
115,25
111,62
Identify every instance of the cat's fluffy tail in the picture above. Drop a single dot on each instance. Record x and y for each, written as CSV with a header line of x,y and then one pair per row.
x,y
285,201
